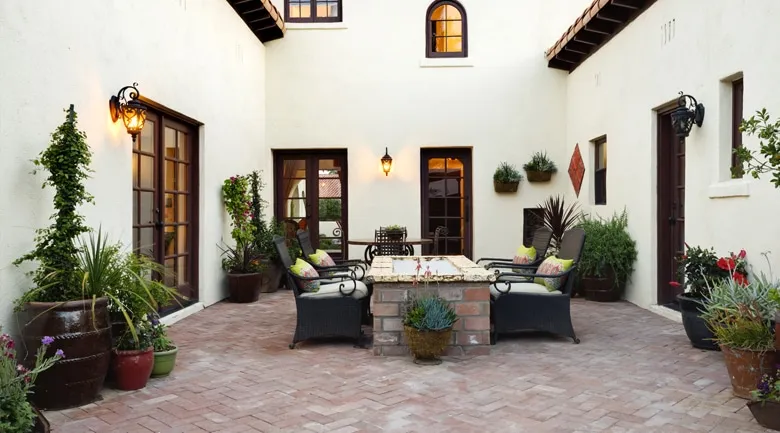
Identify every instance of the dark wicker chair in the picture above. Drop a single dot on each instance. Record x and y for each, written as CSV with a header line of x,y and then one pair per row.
x,y
336,315
356,268
540,242
437,234
549,312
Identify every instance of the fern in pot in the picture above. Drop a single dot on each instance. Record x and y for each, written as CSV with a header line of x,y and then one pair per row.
x,y
608,257
506,178
540,168
428,321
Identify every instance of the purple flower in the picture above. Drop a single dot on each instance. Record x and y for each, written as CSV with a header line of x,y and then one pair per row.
x,y
59,353
47,340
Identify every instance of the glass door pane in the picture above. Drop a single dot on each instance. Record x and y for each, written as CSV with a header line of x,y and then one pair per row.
x,y
330,203
145,189
293,187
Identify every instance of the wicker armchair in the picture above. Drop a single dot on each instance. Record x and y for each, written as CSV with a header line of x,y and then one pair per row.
x,y
336,310
520,305
540,242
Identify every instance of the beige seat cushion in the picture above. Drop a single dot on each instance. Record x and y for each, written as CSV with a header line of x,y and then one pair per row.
x,y
331,290
520,288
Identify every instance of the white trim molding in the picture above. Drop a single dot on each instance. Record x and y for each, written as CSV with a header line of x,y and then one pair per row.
x,y
182,314
730,188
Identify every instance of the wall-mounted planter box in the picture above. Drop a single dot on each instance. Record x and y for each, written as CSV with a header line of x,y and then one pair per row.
x,y
502,187
538,176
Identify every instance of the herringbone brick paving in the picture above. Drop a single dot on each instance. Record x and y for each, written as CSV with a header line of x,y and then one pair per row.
x,y
633,372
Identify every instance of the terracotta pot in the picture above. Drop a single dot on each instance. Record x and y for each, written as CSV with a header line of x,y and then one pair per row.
x,y
427,346
502,187
746,368
244,288
538,176
86,340
273,276
164,362
696,328
132,368
766,413
41,423
602,289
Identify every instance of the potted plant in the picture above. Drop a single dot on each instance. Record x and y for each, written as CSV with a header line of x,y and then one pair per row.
x,y
264,233
164,350
740,315
608,257
133,358
506,178
57,304
540,168
765,406
394,231
243,261
428,322
17,415
698,269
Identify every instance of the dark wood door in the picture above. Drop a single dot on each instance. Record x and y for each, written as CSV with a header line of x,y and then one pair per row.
x,y
310,193
671,207
164,199
445,177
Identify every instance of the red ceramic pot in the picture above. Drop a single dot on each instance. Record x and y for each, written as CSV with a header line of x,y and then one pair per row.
x,y
132,368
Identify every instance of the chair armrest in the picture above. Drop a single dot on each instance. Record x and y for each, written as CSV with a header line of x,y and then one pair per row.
x,y
354,262
493,259
515,275
343,279
494,265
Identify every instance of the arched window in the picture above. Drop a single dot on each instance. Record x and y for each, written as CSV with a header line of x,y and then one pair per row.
x,y
446,32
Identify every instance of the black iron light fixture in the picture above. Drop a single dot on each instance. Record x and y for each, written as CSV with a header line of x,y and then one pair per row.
x,y
387,163
126,105
688,112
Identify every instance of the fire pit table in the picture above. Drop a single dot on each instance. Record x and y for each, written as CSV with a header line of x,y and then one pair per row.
x,y
455,278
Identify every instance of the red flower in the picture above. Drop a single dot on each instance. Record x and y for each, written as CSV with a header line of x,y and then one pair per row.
x,y
674,284
742,254
740,279
727,264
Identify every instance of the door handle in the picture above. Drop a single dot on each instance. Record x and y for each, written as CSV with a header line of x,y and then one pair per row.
x,y
158,223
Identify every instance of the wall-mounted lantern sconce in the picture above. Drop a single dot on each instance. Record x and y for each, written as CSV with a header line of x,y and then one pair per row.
x,y
387,163
687,113
132,112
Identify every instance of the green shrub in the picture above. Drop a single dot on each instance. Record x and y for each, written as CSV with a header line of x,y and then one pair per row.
x,y
507,173
608,248
540,162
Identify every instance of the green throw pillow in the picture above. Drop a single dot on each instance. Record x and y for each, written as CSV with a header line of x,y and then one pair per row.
x,y
524,256
321,258
551,266
303,269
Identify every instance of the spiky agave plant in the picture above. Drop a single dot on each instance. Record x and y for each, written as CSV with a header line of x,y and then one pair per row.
x,y
429,313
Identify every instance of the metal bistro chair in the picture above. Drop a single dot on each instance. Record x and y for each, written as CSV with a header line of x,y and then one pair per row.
x,y
524,305
388,245
334,311
437,234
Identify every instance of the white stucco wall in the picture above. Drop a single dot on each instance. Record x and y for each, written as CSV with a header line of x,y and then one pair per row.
x,y
194,56
615,91
360,85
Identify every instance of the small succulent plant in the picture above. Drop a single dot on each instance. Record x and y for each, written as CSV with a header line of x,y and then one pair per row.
x,y
429,313
507,173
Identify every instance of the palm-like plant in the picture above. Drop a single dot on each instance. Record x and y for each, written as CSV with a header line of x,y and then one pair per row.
x,y
558,217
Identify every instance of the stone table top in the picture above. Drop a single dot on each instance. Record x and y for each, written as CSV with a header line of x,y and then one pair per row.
x,y
382,270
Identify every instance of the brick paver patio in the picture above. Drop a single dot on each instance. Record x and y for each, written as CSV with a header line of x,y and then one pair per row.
x,y
634,371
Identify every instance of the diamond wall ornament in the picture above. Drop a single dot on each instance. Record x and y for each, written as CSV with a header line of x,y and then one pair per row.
x,y
576,170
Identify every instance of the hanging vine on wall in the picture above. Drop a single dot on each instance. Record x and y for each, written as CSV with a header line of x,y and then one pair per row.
x,y
67,161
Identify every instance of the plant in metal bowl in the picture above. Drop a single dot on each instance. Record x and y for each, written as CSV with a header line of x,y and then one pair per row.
x,y
766,401
428,321
506,178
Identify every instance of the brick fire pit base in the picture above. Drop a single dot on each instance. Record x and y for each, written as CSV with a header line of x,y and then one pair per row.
x,y
471,333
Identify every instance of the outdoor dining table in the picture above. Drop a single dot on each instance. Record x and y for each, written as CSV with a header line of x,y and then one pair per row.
x,y
409,244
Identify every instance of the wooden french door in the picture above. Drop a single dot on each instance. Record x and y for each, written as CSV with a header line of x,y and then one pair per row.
x,y
445,177
310,190
165,196
671,207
